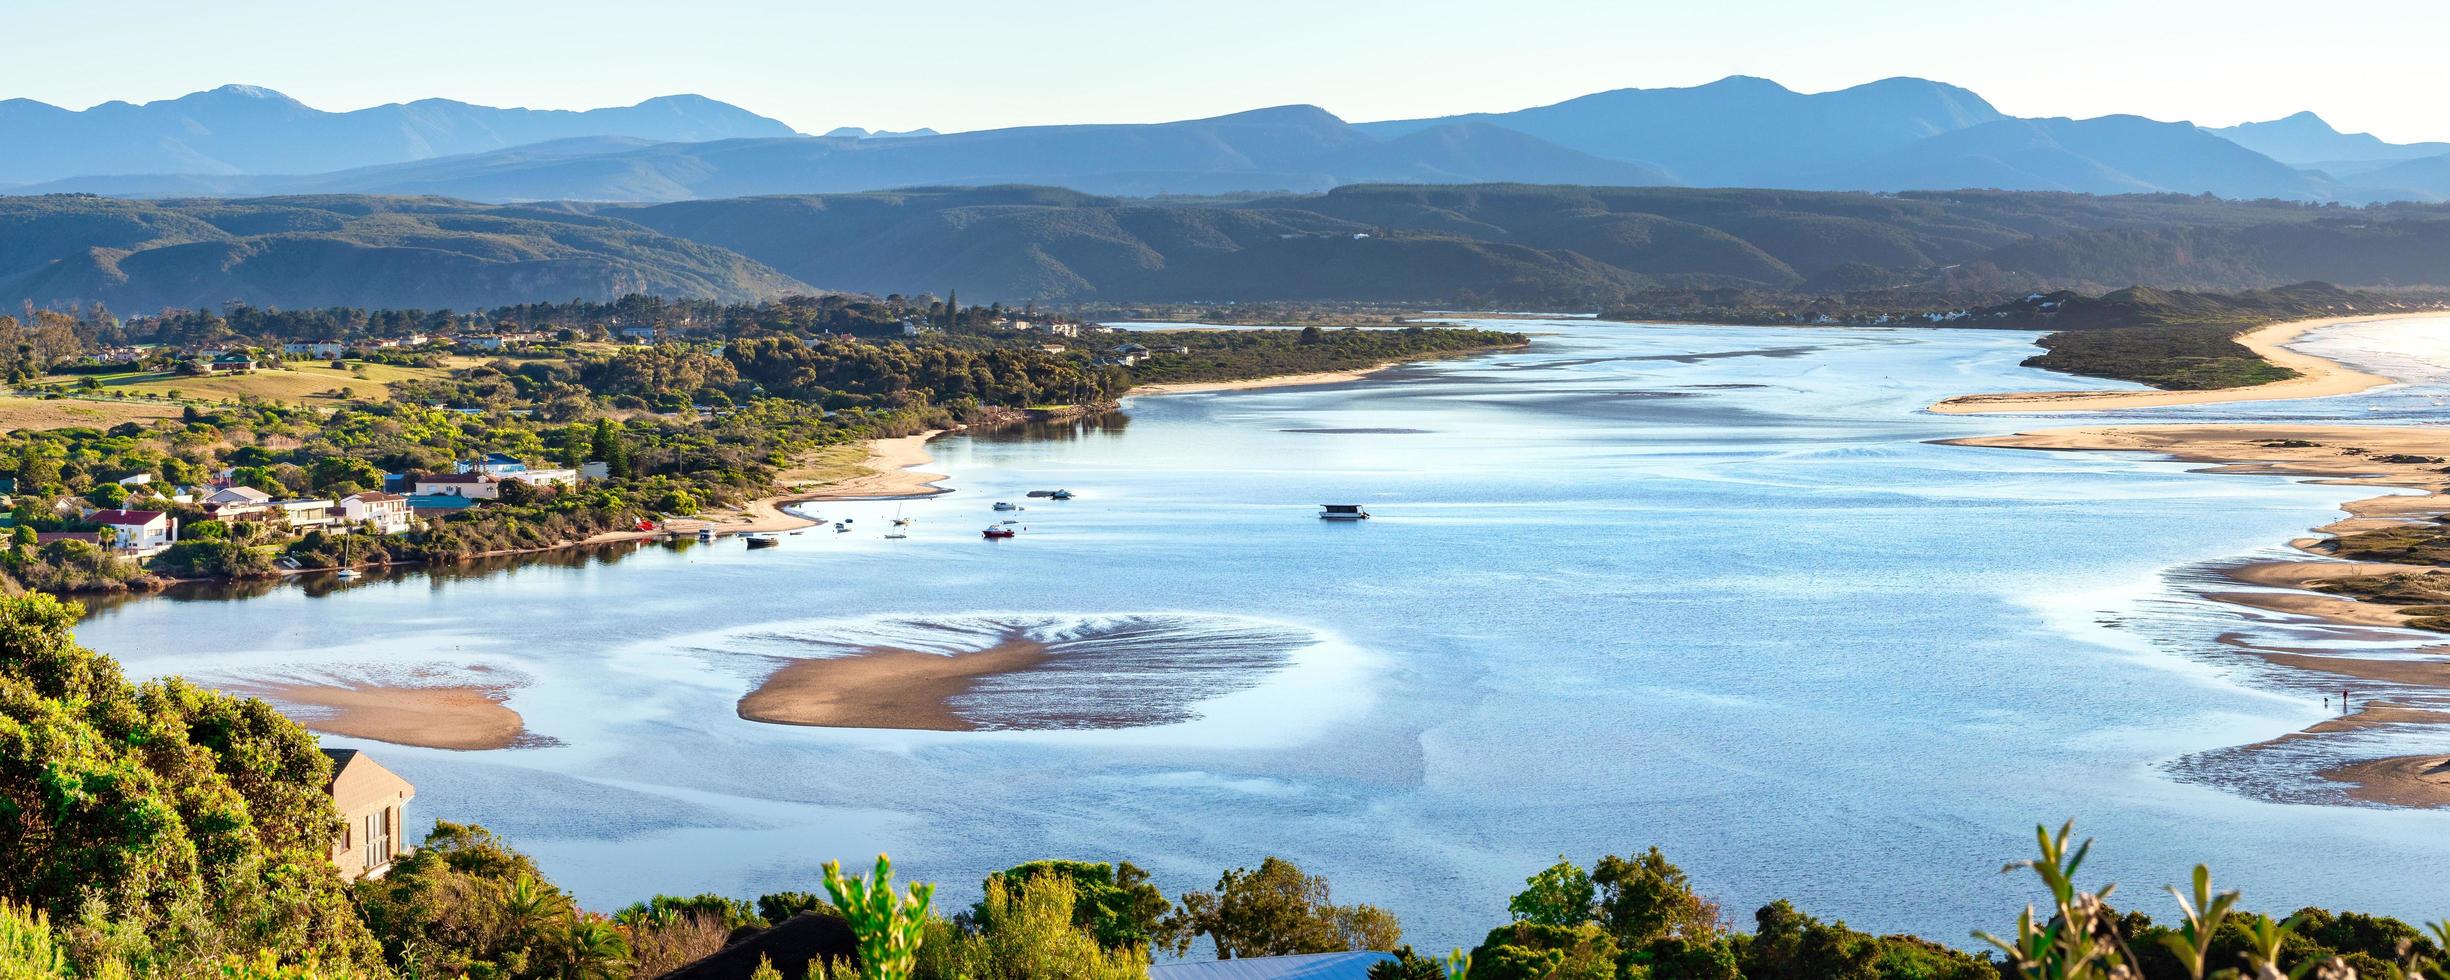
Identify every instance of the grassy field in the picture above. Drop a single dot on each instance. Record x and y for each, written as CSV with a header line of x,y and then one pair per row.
x,y
65,413
831,464
300,382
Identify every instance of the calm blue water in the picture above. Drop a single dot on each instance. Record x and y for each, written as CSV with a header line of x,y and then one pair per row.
x,y
1703,587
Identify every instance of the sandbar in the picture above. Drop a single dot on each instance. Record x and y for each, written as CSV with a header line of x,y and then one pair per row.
x,y
885,687
464,717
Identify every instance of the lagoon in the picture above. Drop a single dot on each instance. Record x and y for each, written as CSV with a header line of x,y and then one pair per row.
x,y
1710,588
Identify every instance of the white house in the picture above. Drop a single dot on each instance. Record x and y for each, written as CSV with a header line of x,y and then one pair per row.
x,y
237,503
316,348
138,532
493,464
475,486
544,478
388,512
307,513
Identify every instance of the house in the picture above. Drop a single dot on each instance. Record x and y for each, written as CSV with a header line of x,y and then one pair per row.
x,y
800,940
1052,348
474,486
315,348
237,503
138,532
493,464
1306,966
1063,329
544,478
373,805
390,513
644,335
230,364
303,514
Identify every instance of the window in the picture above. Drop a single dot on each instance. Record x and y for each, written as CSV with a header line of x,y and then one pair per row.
x,y
378,838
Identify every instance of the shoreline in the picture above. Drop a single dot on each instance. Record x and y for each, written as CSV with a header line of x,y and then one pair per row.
x,y
2400,690
1306,379
2317,377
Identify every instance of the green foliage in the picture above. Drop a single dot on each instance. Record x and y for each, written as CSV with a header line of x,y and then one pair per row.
x,y
776,907
1115,902
1558,896
463,903
890,927
1219,355
28,951
1645,899
160,823
1277,910
1526,950
1034,935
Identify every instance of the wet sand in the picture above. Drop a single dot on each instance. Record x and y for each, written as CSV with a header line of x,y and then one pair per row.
x,y
883,687
2316,377
2408,780
462,717
2330,454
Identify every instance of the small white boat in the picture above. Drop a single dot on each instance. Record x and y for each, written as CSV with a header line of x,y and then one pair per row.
x,y
842,528
895,535
1342,512
706,534
1006,505
347,574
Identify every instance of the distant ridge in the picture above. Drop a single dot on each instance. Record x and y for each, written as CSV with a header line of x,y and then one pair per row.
x,y
1889,135
244,129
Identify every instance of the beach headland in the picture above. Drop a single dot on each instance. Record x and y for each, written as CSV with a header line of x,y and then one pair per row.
x,y
2317,377
1304,380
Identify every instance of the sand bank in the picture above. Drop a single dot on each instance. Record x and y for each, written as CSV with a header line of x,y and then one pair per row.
x,y
2408,780
2316,378
1302,380
889,471
883,687
465,717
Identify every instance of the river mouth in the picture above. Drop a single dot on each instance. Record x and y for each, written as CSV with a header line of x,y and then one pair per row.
x,y
1006,672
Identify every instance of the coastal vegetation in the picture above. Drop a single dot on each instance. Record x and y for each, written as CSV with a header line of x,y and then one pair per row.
x,y
714,406
166,830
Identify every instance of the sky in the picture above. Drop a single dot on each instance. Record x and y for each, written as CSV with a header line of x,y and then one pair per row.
x,y
2365,65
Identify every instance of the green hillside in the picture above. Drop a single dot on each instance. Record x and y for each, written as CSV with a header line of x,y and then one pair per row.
x,y
347,251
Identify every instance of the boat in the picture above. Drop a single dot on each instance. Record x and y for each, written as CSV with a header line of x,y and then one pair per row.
x,y
1342,512
999,531
706,533
895,535
898,519
841,528
1006,505
757,541
347,574
1052,494
1010,523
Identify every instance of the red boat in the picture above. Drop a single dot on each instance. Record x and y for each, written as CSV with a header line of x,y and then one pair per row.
x,y
1000,531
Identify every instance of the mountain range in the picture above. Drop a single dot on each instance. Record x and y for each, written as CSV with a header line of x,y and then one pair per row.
x,y
1890,135
1519,246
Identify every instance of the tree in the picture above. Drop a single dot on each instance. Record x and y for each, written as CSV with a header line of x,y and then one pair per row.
x,y
1277,911
1645,899
463,903
1116,903
1032,935
341,475
160,821
1558,896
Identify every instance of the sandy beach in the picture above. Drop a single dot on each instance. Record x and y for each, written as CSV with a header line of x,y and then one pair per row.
x,y
884,687
2316,378
889,471
464,717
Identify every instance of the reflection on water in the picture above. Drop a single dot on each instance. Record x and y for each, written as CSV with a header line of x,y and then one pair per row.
x,y
1704,587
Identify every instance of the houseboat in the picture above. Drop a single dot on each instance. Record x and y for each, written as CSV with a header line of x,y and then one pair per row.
x,y
1342,512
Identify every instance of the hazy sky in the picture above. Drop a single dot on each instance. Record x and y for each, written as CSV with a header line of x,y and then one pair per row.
x,y
969,64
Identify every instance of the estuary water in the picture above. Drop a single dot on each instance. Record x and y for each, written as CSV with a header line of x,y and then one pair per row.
x,y
1709,588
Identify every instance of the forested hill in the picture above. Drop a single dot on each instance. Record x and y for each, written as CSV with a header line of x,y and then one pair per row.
x,y
1547,246
139,256
1509,245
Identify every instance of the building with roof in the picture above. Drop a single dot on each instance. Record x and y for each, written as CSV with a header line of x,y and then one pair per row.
x,y
238,503
306,513
390,513
474,486
1307,966
799,940
373,805
230,364
137,532
493,464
